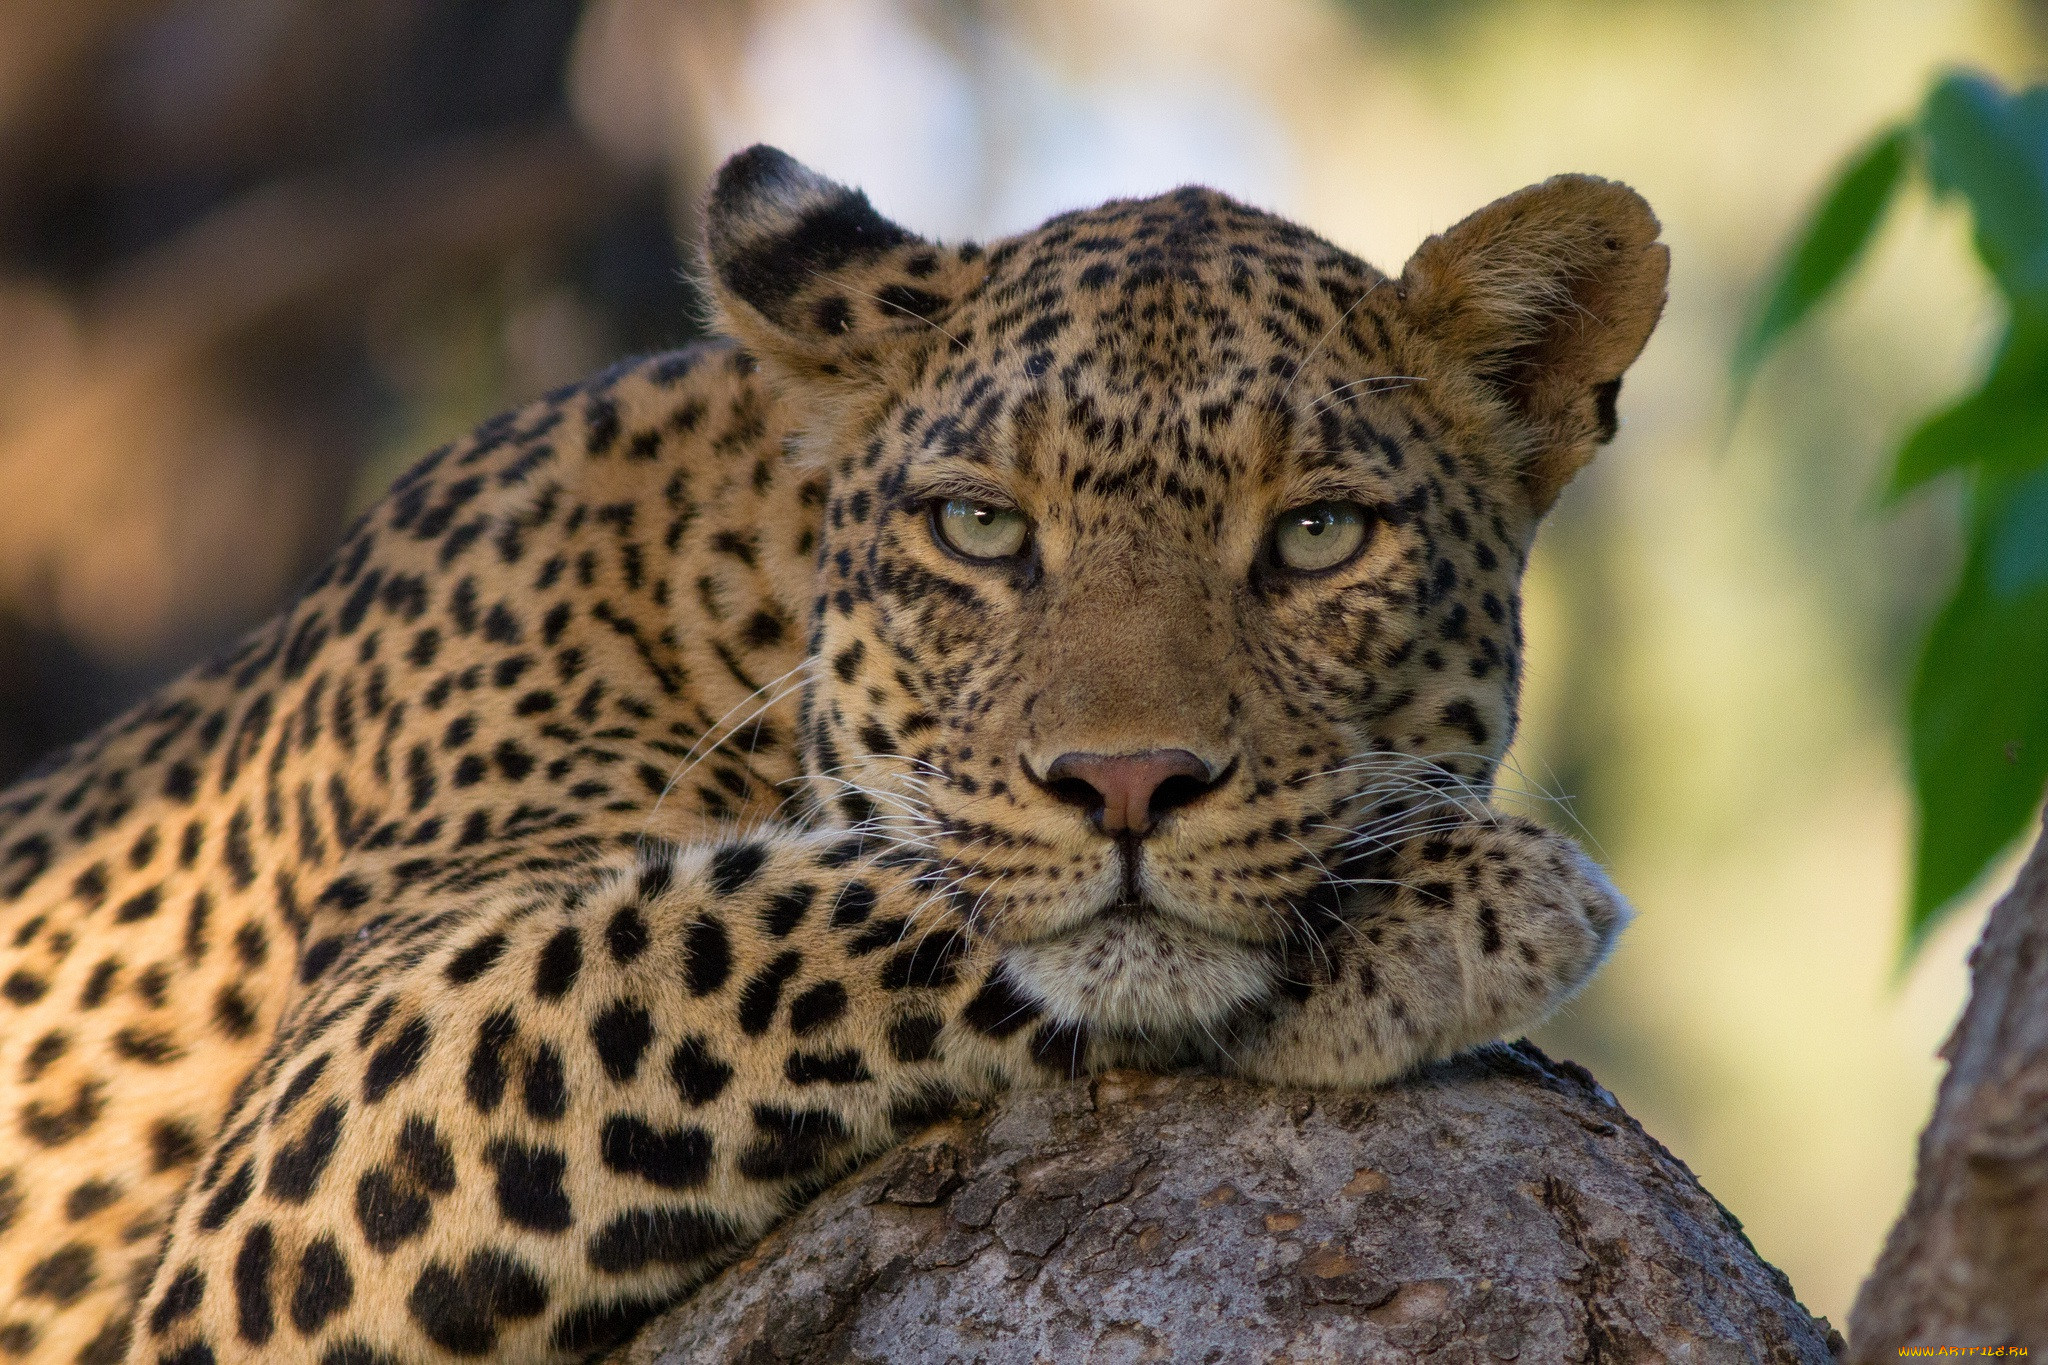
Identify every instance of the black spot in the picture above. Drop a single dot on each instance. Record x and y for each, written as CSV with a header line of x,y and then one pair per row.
x,y
24,988
656,871
63,1276
252,945
46,1051
513,762
346,893
150,1049
908,298
198,1353
998,1010
734,866
484,1082
854,903
228,1198
762,629
460,1309
97,985
931,962
915,1038
921,1108
545,1091
792,1143
1463,715
626,935
55,1127
297,1167
673,1158
622,1034
89,1197
295,1089
181,782
171,1144
233,1012
396,1060
530,1193
424,1157
373,1022
662,1236
141,905
388,1213
325,1286
254,1321
700,1076
816,1008
473,961
707,956
590,1330
785,909
355,1351
559,963
763,992
844,1067
181,1298
1060,1047
319,956
1489,929
90,886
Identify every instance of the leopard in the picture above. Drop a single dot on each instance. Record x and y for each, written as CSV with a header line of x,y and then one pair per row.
x,y
974,668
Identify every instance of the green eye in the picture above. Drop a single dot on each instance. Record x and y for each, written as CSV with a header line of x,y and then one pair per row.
x,y
1320,536
978,530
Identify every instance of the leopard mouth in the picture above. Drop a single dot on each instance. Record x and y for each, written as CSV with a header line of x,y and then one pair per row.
x,y
1140,917
1136,968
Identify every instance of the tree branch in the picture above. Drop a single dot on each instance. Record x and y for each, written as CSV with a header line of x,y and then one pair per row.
x,y
1499,1207
1967,1262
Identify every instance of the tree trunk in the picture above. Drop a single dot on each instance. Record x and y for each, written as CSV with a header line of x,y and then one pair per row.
x,y
1499,1207
1967,1263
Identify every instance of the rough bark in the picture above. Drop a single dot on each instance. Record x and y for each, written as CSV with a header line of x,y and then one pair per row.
x,y
1500,1207
1967,1262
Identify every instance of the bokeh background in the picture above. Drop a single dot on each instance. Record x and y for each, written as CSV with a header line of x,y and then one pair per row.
x,y
255,255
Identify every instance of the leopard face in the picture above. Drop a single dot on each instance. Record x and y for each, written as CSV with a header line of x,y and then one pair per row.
x,y
1170,572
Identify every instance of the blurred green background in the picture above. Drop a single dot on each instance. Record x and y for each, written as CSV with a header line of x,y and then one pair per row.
x,y
255,255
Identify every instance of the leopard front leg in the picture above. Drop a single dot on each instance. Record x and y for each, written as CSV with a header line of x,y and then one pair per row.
x,y
1479,933
519,1126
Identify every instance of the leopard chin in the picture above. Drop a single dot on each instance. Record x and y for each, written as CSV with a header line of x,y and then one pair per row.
x,y
1143,974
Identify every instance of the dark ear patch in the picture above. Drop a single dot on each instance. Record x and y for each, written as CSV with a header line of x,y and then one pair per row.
x,y
1605,396
775,227
816,282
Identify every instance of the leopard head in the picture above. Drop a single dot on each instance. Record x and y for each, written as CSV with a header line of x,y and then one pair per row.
x,y
1170,569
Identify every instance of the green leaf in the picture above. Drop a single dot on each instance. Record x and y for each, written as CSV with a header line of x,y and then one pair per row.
x,y
1978,719
1992,149
1839,230
2019,542
2003,426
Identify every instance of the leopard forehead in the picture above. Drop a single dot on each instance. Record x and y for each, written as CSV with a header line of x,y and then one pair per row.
x,y
1151,383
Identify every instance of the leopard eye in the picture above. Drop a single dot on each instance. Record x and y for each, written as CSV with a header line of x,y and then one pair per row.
x,y
1320,535
979,531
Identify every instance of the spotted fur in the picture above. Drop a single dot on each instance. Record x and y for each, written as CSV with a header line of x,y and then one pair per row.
x,y
644,817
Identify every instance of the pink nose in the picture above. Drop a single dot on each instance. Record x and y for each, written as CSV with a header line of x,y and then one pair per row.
x,y
1125,793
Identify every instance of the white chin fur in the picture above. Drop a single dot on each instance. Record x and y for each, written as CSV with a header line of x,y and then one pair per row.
x,y
1145,977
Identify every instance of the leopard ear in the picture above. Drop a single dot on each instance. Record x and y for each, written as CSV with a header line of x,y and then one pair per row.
x,y
810,278
1543,299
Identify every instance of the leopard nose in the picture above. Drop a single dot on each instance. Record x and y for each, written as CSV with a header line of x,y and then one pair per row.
x,y
1124,794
